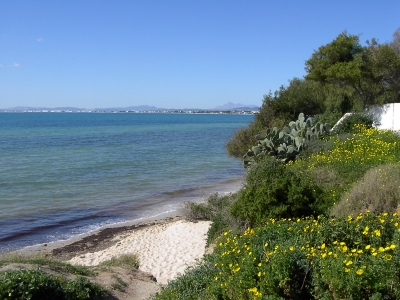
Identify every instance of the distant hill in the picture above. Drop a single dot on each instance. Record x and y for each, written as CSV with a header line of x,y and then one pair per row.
x,y
236,106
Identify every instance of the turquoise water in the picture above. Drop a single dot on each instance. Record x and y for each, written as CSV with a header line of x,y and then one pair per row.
x,y
63,174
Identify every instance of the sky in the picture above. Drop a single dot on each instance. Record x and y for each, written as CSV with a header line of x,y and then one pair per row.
x,y
171,53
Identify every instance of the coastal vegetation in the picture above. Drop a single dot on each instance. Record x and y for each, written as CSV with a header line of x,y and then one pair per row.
x,y
341,76
322,222
28,280
44,277
318,215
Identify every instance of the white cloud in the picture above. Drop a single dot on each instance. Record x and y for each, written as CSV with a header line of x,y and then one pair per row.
x,y
39,39
15,64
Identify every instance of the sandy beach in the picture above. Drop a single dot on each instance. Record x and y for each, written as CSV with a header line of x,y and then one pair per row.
x,y
163,250
164,247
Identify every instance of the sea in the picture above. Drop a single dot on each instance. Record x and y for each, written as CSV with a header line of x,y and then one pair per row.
x,y
66,174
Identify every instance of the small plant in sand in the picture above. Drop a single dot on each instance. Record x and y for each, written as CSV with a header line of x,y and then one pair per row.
x,y
118,284
125,260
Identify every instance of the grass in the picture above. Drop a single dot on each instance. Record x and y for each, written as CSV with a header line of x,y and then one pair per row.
x,y
34,283
129,261
42,260
378,190
119,284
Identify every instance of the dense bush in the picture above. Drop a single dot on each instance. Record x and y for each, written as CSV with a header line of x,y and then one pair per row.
x,y
36,284
273,190
348,124
243,139
217,210
324,258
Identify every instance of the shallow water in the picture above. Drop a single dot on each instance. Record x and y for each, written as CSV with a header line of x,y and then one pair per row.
x,y
63,174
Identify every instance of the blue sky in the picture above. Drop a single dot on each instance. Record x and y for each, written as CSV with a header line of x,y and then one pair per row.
x,y
172,53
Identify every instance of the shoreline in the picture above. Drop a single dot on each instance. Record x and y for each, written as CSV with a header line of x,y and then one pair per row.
x,y
95,240
150,216
164,247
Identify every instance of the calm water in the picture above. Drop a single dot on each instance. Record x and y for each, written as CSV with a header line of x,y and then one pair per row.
x,y
66,174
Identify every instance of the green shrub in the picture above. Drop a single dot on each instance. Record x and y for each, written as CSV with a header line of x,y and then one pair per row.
x,y
36,284
125,260
348,124
192,285
81,288
378,190
217,210
242,140
196,211
273,190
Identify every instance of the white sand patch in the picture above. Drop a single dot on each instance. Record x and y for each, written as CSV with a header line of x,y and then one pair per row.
x,y
163,250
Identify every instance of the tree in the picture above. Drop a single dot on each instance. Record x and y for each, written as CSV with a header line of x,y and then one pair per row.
x,y
289,101
386,68
395,44
345,62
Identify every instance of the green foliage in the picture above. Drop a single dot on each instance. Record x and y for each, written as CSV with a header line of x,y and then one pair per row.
x,y
349,123
242,140
44,260
372,71
125,260
279,109
35,284
273,190
324,258
352,155
81,288
196,211
287,144
192,285
215,209
336,60
378,190
289,101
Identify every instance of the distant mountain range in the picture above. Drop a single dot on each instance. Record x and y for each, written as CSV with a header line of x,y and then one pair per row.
x,y
236,106
227,106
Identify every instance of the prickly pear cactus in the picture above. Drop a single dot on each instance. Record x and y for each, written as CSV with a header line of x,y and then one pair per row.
x,y
286,144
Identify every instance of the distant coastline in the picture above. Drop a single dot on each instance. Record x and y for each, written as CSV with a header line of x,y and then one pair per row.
x,y
228,108
225,112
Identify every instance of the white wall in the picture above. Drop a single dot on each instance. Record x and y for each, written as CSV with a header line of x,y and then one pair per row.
x,y
388,116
